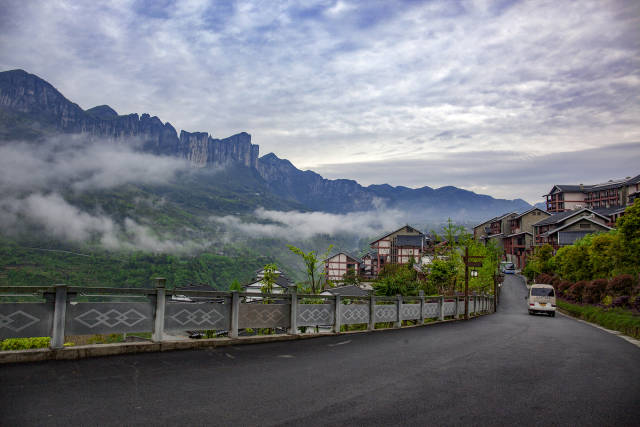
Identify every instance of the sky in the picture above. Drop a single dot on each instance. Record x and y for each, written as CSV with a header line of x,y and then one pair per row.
x,y
505,98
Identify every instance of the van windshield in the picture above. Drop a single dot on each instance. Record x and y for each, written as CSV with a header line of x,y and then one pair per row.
x,y
542,292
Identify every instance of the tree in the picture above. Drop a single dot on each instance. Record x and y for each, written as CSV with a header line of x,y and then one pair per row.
x,y
269,278
235,286
313,266
629,229
350,277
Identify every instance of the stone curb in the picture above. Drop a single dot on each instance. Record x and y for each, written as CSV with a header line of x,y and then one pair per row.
x,y
99,350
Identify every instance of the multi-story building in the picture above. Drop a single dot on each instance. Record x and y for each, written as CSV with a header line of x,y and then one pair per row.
x,y
519,243
564,228
398,247
338,265
494,229
611,194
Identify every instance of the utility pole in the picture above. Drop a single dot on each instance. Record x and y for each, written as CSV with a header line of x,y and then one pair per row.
x,y
467,264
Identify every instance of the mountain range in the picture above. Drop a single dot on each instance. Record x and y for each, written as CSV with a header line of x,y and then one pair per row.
x,y
32,109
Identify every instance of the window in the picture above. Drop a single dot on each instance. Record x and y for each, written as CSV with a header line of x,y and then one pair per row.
x,y
542,292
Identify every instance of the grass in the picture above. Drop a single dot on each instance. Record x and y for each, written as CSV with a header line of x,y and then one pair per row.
x,y
617,319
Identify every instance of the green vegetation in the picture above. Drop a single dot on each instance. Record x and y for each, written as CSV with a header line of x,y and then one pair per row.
x,y
617,318
599,256
24,343
312,267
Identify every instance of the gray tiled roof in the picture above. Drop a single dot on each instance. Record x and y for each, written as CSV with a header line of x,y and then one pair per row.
x,y
555,218
349,290
417,241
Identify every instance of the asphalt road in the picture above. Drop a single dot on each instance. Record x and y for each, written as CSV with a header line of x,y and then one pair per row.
x,y
503,369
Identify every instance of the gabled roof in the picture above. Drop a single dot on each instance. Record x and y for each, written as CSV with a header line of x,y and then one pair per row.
x,y
395,231
634,180
353,257
561,216
569,188
348,290
582,218
530,210
517,234
500,218
281,281
195,287
417,241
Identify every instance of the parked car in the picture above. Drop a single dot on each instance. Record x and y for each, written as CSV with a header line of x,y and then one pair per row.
x,y
507,267
542,299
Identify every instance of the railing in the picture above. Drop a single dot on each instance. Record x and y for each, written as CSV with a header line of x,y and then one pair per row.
x,y
60,310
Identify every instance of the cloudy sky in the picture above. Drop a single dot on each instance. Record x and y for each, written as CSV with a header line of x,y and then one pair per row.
x,y
500,97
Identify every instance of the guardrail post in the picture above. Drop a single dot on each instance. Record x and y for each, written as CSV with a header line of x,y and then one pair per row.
x,y
441,317
338,308
235,311
398,323
59,317
294,312
421,296
372,312
158,320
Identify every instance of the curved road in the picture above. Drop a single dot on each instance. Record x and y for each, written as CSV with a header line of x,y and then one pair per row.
x,y
503,369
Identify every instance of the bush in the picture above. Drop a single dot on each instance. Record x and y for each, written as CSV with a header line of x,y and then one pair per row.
x,y
544,278
564,286
24,343
617,319
576,290
621,285
594,291
621,301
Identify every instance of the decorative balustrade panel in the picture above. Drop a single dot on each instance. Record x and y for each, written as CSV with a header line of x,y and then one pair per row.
x,y
386,313
431,310
410,312
188,316
354,313
315,314
88,318
21,320
461,307
264,316
450,308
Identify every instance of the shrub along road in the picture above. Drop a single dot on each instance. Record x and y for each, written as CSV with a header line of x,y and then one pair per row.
x,y
508,368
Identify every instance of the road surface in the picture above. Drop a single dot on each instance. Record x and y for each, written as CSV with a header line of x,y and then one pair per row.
x,y
504,369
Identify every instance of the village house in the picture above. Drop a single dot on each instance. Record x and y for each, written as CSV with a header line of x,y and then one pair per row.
x,y
564,228
282,283
339,264
399,247
494,229
519,243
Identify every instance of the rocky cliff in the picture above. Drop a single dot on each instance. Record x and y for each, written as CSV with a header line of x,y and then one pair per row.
x,y
33,99
31,108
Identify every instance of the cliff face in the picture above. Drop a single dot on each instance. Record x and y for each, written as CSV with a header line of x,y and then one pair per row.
x,y
39,101
31,108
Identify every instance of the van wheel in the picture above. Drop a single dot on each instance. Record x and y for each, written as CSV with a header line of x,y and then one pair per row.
x,y
530,312
552,314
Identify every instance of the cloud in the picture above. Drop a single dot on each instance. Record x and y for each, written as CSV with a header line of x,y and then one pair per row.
x,y
81,164
304,225
502,173
346,81
53,215
33,177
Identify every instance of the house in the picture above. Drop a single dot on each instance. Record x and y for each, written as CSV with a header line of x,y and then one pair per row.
x,y
282,283
369,263
495,229
519,243
564,228
347,291
337,265
610,194
398,247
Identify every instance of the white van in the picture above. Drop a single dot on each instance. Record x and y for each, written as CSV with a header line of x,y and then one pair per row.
x,y
542,299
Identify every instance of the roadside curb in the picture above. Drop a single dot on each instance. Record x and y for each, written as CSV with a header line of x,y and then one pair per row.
x,y
617,333
99,350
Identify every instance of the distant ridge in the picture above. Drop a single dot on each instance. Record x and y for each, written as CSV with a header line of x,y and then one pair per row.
x,y
31,109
